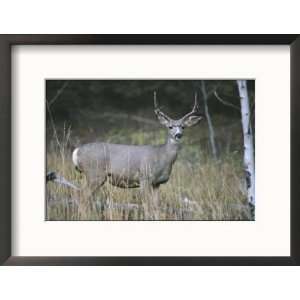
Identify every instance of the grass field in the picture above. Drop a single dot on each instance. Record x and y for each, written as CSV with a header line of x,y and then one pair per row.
x,y
200,187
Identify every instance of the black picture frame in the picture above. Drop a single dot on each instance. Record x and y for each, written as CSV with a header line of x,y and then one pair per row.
x,y
6,43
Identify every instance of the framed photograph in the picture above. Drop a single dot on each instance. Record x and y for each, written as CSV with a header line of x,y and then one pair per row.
x,y
149,149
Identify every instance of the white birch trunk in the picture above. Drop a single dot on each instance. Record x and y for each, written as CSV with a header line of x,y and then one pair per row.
x,y
248,141
211,131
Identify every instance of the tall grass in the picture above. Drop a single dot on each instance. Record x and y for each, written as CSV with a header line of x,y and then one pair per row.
x,y
199,188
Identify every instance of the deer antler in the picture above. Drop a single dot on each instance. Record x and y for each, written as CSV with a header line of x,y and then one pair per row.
x,y
157,109
195,110
155,101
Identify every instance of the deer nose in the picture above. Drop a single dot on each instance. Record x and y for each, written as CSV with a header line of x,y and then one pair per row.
x,y
178,135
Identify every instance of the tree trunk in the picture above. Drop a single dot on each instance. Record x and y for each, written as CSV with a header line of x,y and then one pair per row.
x,y
211,131
248,141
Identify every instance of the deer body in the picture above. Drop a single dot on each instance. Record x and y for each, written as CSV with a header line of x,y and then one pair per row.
x,y
126,166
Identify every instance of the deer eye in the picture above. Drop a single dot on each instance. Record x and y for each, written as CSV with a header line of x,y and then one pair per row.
x,y
182,127
170,127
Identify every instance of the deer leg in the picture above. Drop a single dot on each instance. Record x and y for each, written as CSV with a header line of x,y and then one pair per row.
x,y
145,191
155,201
88,192
155,195
149,196
94,184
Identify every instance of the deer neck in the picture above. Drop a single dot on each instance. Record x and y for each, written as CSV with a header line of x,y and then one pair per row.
x,y
172,145
168,154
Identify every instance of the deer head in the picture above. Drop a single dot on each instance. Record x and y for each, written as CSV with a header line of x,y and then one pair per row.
x,y
176,127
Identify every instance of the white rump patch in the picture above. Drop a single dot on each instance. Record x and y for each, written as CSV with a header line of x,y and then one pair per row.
x,y
75,157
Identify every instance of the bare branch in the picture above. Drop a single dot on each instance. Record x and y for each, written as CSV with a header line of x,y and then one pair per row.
x,y
53,176
58,93
212,91
225,102
53,125
209,120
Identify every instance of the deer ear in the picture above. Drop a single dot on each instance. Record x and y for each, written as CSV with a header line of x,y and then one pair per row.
x,y
162,118
192,120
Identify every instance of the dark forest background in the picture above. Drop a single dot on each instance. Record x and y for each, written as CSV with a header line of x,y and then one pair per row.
x,y
99,105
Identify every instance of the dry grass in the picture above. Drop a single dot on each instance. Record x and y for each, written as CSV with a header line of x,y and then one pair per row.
x,y
199,188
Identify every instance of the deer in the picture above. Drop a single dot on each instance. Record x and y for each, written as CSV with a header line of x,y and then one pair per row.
x,y
135,166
